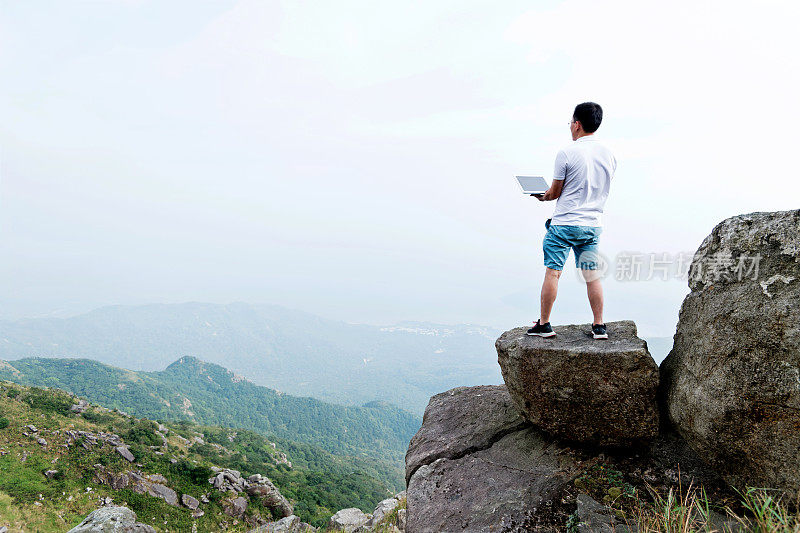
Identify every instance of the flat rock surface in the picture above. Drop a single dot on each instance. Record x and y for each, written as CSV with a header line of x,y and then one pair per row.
x,y
600,392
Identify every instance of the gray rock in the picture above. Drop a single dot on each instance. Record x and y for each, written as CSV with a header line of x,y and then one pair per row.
x,y
190,501
580,389
597,518
150,485
235,507
460,420
289,524
107,477
383,509
41,441
497,476
50,474
79,407
731,384
125,453
112,518
348,520
401,519
165,493
271,497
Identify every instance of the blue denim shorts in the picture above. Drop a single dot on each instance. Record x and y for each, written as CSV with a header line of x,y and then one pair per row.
x,y
581,239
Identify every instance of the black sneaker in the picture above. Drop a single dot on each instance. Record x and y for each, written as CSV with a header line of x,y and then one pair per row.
x,y
599,331
542,330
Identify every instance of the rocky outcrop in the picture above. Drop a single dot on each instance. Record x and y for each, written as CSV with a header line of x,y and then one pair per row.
x,y
580,389
256,486
262,488
731,384
476,465
112,519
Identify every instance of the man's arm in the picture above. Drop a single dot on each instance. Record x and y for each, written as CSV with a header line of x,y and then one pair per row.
x,y
559,175
553,192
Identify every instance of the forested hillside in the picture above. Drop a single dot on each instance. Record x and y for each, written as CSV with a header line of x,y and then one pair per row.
x,y
58,464
375,436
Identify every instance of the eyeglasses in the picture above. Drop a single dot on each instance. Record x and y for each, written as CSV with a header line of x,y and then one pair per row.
x,y
571,121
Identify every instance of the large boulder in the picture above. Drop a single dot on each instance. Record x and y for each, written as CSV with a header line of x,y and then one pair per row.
x,y
600,392
460,420
476,464
731,384
110,519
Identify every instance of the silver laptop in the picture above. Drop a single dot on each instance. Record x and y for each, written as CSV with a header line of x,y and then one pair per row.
x,y
533,184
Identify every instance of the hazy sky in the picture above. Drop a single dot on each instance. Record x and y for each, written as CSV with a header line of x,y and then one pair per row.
x,y
355,159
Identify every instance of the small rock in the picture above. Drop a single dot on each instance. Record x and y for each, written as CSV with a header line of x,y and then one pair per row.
x,y
79,407
41,441
50,474
190,501
236,507
383,509
288,524
401,519
348,520
596,518
125,453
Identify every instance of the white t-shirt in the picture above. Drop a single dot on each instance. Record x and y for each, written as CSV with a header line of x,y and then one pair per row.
x,y
587,167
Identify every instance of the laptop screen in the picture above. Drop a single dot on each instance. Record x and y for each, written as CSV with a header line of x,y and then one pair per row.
x,y
532,184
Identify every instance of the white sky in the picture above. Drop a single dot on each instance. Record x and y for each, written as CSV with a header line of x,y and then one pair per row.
x,y
355,158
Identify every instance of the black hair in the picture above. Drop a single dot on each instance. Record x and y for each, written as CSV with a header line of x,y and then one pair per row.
x,y
590,115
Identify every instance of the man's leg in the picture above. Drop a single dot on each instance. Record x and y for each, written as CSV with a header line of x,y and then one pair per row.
x,y
549,292
588,259
595,292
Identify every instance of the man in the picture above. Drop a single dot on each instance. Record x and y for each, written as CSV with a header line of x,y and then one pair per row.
x,y
581,182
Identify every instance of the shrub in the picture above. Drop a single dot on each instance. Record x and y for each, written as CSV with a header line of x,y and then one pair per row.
x,y
143,432
195,474
97,418
3,422
51,401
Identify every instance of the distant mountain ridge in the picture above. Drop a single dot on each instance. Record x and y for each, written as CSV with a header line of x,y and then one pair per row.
x,y
292,351
190,389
